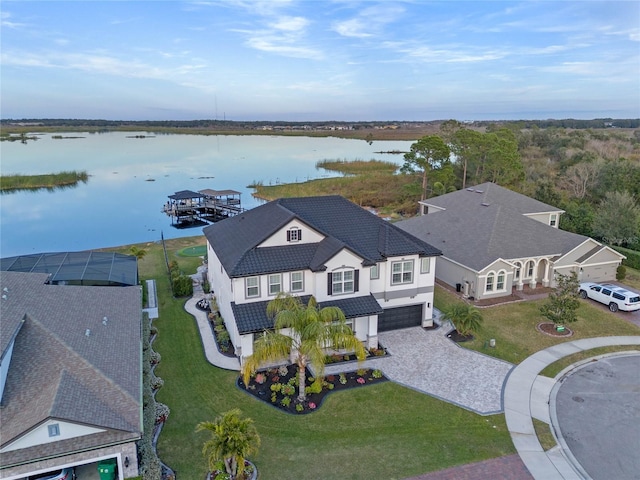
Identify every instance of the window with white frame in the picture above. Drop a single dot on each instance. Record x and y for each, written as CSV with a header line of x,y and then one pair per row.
x,y
294,235
275,283
530,266
342,282
425,264
490,282
500,282
252,287
516,274
374,273
297,281
402,272
54,430
554,220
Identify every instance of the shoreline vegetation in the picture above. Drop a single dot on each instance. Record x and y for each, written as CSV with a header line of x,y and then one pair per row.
x,y
372,184
50,181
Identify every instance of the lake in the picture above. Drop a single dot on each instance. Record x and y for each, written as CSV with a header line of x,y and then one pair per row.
x,y
131,178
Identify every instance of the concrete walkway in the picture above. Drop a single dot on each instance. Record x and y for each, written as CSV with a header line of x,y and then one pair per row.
x,y
214,357
527,395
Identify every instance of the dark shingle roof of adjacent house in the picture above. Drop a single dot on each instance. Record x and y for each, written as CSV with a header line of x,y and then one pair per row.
x,y
76,358
78,268
344,225
475,232
252,317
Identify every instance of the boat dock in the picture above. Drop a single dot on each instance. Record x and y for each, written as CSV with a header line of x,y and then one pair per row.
x,y
191,209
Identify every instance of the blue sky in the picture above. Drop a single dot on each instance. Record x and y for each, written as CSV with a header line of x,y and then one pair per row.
x,y
304,60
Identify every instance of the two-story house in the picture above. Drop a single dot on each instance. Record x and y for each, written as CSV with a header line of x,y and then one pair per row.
x,y
494,240
380,276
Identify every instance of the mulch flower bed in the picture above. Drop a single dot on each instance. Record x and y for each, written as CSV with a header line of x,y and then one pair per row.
x,y
549,328
458,338
277,387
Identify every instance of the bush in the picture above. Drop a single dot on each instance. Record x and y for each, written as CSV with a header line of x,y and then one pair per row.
x,y
621,273
315,387
223,337
633,257
182,286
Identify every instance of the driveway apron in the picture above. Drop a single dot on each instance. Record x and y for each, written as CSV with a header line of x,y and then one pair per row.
x,y
429,362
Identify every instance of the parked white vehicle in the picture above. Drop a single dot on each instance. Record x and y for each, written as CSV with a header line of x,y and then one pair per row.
x,y
617,298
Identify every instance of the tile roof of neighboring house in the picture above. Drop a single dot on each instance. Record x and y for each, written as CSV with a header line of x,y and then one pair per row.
x,y
489,194
252,317
58,371
475,233
344,224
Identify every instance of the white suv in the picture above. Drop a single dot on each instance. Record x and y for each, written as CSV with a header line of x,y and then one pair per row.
x,y
616,297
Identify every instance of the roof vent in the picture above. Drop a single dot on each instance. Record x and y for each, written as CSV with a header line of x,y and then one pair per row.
x,y
104,321
479,191
484,204
5,289
469,189
87,332
4,297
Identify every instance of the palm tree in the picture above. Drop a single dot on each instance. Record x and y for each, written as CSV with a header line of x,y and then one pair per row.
x,y
137,252
466,318
232,439
312,331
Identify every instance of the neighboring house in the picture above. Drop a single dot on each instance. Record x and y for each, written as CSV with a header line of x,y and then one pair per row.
x,y
493,240
70,375
380,276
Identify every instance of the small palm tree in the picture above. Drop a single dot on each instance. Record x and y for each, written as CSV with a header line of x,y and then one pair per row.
x,y
233,438
312,331
466,318
137,252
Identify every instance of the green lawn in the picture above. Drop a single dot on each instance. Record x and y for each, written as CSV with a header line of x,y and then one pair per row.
x,y
381,431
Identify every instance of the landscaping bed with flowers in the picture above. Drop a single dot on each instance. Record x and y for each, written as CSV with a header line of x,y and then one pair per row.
x,y
279,386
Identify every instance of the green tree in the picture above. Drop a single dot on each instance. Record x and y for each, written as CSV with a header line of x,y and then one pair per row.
x,y
617,219
563,302
467,147
233,439
578,217
466,318
312,331
428,153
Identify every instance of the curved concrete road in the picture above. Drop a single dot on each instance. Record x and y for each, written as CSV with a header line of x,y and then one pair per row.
x,y
527,395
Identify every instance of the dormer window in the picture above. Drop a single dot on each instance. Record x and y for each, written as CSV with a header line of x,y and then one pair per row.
x,y
54,430
294,235
554,220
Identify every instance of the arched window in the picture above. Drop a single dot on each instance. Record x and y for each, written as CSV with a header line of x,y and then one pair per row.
x,y
490,281
530,266
500,282
516,274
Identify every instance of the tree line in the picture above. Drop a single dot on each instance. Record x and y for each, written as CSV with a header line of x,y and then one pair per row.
x,y
594,175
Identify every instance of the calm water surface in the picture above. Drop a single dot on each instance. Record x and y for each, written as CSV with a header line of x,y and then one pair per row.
x,y
130,179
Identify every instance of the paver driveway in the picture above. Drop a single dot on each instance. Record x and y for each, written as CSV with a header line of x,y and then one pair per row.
x,y
427,361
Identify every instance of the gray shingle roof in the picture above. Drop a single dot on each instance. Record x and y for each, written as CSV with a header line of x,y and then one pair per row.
x,y
491,194
345,225
57,371
252,317
475,233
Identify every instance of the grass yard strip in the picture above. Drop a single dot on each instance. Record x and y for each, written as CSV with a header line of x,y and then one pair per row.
x,y
556,367
378,431
543,432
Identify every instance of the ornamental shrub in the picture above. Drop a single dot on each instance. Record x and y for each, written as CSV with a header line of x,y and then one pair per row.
x,y
621,273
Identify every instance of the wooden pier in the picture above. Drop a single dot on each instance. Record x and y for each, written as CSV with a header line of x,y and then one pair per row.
x,y
191,209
